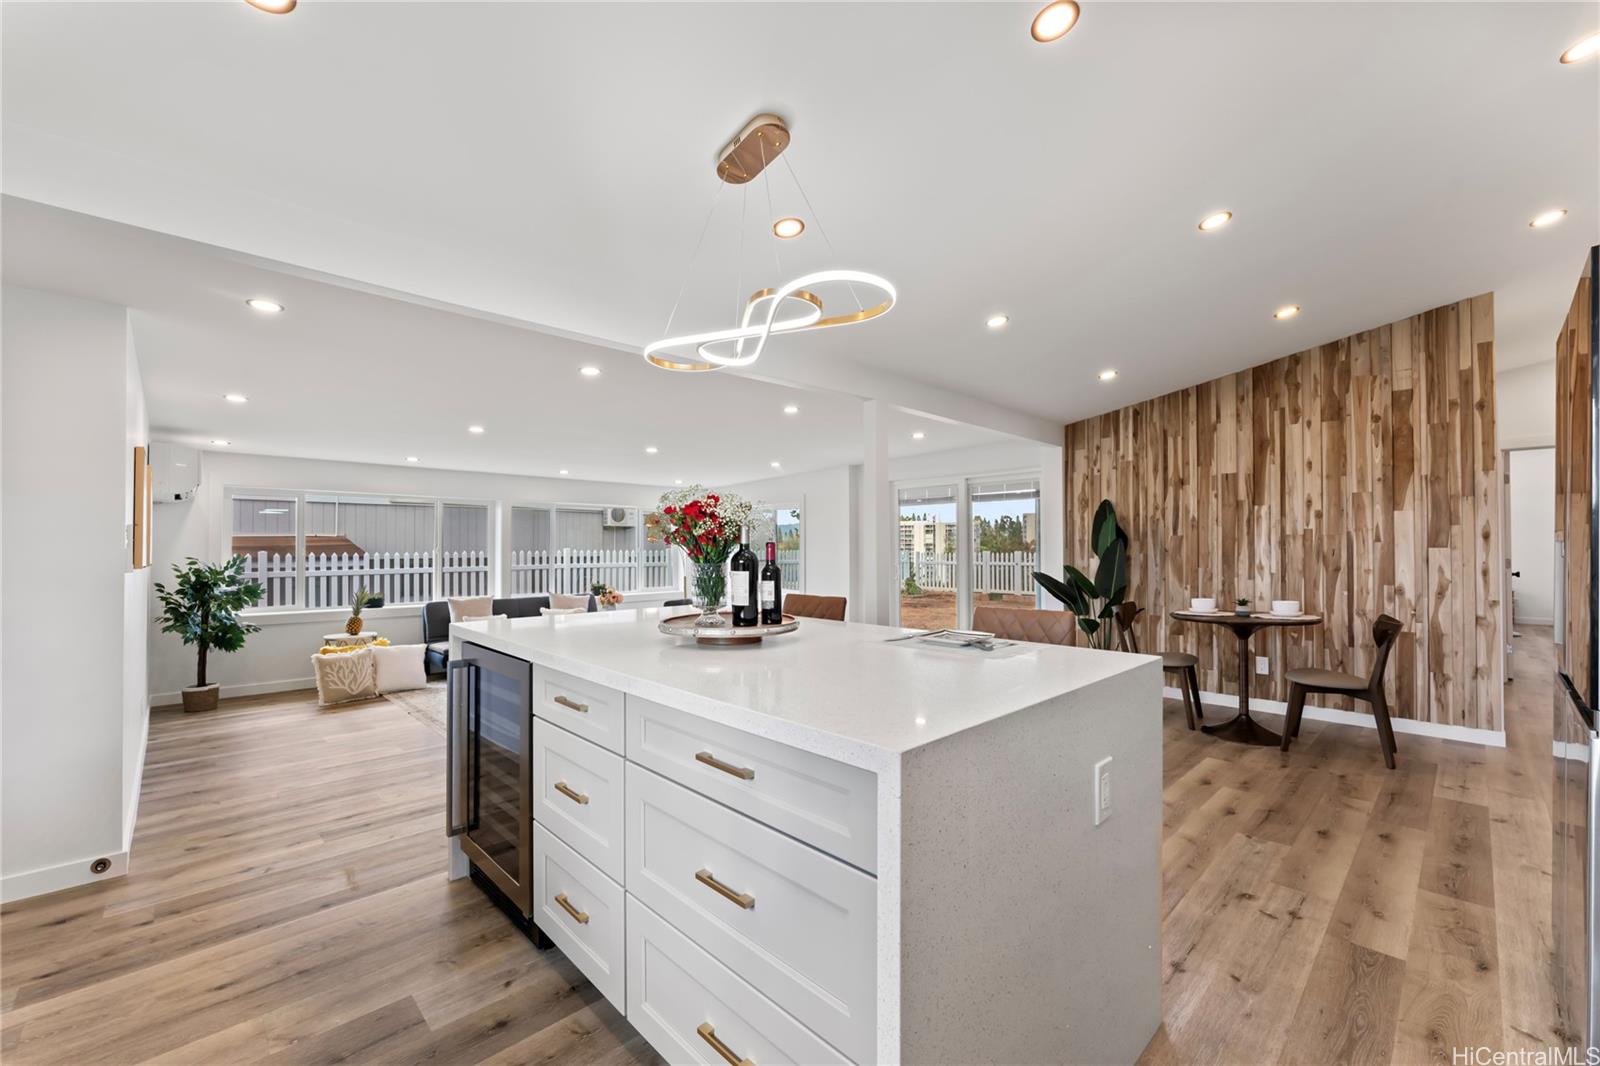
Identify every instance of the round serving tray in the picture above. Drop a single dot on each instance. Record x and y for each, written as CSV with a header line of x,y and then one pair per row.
x,y
684,626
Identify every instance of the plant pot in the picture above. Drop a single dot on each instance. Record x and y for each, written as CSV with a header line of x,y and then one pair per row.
x,y
200,698
1242,612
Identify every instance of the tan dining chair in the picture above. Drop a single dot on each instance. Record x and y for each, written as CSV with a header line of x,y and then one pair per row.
x,y
1180,663
802,606
1385,631
1026,624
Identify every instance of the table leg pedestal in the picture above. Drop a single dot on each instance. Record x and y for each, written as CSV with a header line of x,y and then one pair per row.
x,y
1242,729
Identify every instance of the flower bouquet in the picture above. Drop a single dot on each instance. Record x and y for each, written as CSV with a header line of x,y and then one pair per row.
x,y
607,597
706,526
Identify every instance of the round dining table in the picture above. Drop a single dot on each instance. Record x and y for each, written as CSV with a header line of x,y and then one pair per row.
x,y
1241,728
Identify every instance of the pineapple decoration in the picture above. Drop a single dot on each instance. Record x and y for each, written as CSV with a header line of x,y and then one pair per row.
x,y
358,601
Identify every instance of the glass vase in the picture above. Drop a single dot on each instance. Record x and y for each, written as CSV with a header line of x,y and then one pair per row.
x,y
709,583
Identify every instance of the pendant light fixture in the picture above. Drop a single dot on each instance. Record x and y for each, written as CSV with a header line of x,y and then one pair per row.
x,y
795,306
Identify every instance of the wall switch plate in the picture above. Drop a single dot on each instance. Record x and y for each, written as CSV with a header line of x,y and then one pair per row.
x,y
1262,666
1102,790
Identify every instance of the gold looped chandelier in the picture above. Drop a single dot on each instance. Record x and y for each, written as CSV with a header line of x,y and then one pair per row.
x,y
793,307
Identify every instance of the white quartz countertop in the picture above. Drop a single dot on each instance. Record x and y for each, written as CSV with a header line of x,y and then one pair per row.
x,y
833,687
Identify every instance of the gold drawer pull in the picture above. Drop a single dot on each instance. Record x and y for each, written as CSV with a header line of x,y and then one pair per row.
x,y
743,773
566,790
708,1033
578,916
581,708
743,899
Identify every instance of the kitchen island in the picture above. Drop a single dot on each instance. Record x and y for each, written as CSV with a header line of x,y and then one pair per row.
x,y
824,847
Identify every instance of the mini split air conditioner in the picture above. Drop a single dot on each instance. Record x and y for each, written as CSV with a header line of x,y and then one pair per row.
x,y
620,518
176,468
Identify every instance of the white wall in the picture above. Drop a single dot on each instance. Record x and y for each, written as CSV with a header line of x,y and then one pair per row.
x,y
279,657
1525,405
1532,501
827,523
71,669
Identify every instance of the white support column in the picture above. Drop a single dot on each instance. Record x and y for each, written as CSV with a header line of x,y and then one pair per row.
x,y
876,545
1052,516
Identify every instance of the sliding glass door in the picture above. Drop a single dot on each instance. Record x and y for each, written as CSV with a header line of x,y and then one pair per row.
x,y
965,542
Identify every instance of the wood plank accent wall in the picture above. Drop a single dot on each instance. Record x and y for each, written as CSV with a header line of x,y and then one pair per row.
x,y
1360,477
1574,476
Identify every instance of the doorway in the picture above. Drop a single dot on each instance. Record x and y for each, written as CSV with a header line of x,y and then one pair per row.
x,y
1530,563
962,541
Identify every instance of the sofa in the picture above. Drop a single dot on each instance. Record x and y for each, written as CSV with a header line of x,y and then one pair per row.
x,y
436,624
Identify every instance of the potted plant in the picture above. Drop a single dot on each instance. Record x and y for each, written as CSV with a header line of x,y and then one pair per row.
x,y
203,609
607,597
362,598
1094,601
1241,607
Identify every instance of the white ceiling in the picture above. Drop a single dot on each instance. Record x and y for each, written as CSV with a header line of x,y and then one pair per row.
x,y
553,163
344,374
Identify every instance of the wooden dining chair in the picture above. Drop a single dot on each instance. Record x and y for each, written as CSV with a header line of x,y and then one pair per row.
x,y
1180,663
1385,631
1025,624
802,606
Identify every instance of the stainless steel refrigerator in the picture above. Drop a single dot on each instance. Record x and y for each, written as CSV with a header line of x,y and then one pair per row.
x,y
1575,802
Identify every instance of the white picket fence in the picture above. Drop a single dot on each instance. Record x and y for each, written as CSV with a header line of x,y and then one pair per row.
x,y
575,570
332,578
998,572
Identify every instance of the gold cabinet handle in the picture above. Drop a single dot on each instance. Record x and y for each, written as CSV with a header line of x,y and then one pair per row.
x,y
567,791
581,708
743,773
743,899
578,916
708,1033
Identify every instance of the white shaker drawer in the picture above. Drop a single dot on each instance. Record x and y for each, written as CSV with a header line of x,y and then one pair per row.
x,y
825,803
582,910
592,711
689,1005
577,795
798,925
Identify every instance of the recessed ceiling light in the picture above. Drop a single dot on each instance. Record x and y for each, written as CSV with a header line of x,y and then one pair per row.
x,y
1054,20
413,459
651,449
998,321
1108,375
1548,218
1585,48
563,473
1288,311
775,464
262,304
235,397
474,429
1215,220
918,435
788,228
273,7
220,443
790,409
589,371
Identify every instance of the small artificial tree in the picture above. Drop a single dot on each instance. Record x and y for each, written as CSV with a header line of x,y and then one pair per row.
x,y
1094,601
203,607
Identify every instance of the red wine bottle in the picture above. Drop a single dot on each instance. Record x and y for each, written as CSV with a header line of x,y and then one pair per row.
x,y
771,588
742,584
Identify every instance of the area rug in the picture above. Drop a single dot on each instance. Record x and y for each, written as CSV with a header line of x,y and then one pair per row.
x,y
427,705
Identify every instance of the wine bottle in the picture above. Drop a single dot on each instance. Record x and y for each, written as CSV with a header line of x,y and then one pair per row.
x,y
771,588
742,584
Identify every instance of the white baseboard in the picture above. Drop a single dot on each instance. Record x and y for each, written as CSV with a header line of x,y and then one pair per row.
x,y
1460,733
55,878
1529,620
259,688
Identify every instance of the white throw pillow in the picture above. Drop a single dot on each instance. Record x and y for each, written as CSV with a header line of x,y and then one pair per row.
x,y
400,666
344,677
466,608
566,603
565,610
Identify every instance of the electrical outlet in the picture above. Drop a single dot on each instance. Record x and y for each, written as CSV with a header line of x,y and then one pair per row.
x,y
1102,790
1262,666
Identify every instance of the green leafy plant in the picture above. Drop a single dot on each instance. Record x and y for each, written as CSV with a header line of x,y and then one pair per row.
x,y
203,607
1094,601
909,586
361,599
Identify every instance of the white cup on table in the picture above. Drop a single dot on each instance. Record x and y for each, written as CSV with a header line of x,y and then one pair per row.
x,y
1286,607
1203,605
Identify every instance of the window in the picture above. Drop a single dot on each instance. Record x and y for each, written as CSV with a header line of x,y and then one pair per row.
x,y
1005,541
315,550
928,574
571,548
782,526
